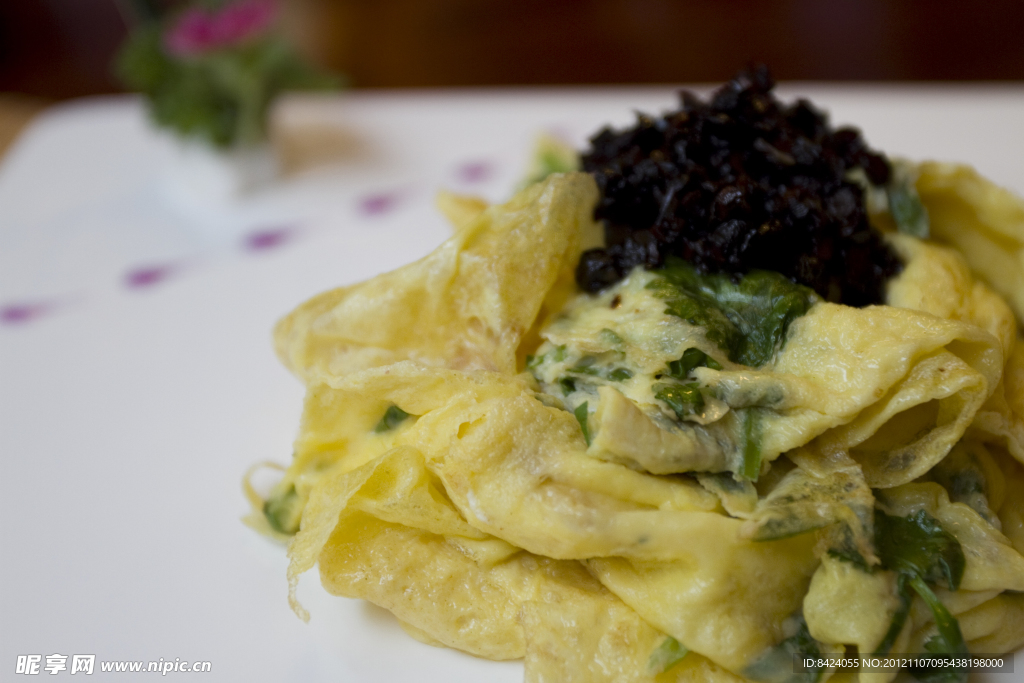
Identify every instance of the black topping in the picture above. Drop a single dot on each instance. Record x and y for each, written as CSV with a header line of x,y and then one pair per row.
x,y
738,183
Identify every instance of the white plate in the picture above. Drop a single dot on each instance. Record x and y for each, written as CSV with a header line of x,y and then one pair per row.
x,y
137,381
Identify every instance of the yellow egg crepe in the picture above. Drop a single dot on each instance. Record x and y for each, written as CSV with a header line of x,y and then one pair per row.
x,y
495,457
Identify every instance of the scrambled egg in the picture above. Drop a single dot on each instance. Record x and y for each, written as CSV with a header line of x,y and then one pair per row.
x,y
677,479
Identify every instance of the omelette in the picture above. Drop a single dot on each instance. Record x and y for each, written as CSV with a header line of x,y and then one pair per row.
x,y
682,476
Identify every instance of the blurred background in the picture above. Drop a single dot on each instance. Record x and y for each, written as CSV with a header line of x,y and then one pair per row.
x,y
52,50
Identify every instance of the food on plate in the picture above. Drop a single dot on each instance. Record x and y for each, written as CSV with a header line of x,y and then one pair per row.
x,y
715,401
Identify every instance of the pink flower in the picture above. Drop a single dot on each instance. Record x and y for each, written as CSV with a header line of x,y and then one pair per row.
x,y
198,31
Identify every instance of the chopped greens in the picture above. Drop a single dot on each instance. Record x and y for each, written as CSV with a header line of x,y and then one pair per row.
x,y
760,394
963,477
909,214
602,366
393,417
588,366
738,496
683,399
898,619
551,161
551,155
747,319
962,485
666,655
847,553
283,511
581,417
610,338
845,545
555,355
751,444
775,665
778,528
691,358
918,545
802,501
947,640
922,551
619,374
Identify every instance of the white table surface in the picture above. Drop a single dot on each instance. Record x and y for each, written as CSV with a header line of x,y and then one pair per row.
x,y
137,380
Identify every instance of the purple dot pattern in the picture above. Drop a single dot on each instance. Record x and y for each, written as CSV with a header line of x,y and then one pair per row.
x,y
16,314
147,276
474,172
378,204
265,240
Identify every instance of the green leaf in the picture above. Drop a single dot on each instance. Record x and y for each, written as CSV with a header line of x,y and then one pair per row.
x,y
683,399
710,362
899,619
747,319
141,64
610,338
222,96
666,655
551,161
918,545
393,417
850,556
691,358
948,639
844,546
751,444
922,551
775,665
963,476
588,366
555,355
283,511
551,155
909,214
618,374
581,417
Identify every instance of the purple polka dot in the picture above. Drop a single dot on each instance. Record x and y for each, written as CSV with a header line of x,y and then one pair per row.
x,y
147,276
17,314
377,204
262,240
474,171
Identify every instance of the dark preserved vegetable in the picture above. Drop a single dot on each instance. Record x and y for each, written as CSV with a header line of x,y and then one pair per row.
x,y
738,183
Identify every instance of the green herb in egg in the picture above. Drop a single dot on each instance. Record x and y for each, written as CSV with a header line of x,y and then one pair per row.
x,y
669,653
747,318
776,664
922,551
691,358
393,417
683,399
588,365
581,417
283,510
